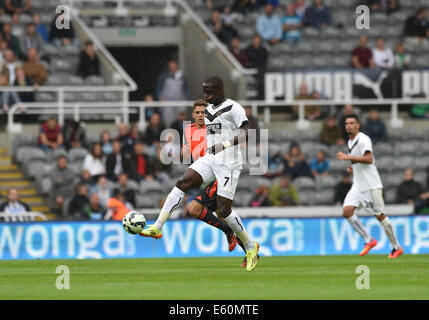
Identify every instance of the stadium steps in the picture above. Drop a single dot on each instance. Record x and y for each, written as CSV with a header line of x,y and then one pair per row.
x,y
11,176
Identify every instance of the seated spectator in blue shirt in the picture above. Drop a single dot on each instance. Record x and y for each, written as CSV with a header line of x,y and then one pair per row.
x,y
40,27
375,127
318,15
295,164
320,165
292,24
269,26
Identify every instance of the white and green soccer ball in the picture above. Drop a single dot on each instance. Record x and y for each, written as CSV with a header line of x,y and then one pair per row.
x,y
134,222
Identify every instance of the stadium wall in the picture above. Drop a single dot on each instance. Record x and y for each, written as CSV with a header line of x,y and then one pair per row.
x,y
192,238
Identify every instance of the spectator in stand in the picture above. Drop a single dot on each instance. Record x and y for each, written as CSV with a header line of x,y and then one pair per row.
x,y
219,4
417,26
22,80
78,204
292,25
261,197
172,85
12,41
362,55
106,142
253,122
300,6
317,16
420,110
245,6
117,208
258,57
342,188
123,188
312,112
178,125
14,206
94,210
94,161
74,135
375,127
103,190
9,66
295,163
17,6
61,36
86,179
331,132
320,165
214,19
124,138
409,190
34,69
269,26
402,59
154,129
31,40
62,178
88,61
275,166
17,27
7,97
226,32
386,6
238,53
135,133
140,166
50,136
116,163
283,193
40,27
383,57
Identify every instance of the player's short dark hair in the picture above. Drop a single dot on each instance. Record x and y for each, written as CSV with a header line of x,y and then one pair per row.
x,y
354,116
199,102
215,81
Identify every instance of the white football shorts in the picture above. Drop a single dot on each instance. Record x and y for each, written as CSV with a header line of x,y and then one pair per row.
x,y
371,200
209,170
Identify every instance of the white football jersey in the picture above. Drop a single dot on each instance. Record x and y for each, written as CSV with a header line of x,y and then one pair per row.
x,y
365,176
223,122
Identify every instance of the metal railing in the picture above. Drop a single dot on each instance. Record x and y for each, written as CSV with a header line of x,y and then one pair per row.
x,y
125,108
22,217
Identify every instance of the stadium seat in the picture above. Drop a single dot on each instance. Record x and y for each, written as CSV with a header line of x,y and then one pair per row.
x,y
26,153
149,185
403,162
36,167
46,96
304,184
75,154
323,182
324,197
383,149
143,201
43,185
406,148
95,81
339,166
306,197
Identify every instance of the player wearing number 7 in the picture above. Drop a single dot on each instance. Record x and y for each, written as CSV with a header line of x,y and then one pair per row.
x,y
227,126
367,189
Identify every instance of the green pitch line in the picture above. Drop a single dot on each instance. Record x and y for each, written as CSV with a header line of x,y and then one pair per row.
x,y
309,277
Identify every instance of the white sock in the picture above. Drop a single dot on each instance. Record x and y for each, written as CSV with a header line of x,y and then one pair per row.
x,y
359,228
172,202
235,223
388,228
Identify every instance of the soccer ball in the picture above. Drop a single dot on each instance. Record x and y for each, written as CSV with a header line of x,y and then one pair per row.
x,y
134,222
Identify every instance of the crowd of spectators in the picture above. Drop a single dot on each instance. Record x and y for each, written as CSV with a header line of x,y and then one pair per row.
x,y
131,155
23,59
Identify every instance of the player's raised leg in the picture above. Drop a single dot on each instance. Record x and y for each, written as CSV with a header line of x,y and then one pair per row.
x,y
353,219
198,211
388,229
189,180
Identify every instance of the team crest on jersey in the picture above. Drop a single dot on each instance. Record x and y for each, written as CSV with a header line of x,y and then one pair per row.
x,y
214,128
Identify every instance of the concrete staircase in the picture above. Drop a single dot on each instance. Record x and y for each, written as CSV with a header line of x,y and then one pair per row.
x,y
10,176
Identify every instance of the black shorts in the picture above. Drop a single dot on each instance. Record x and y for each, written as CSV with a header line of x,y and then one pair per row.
x,y
207,196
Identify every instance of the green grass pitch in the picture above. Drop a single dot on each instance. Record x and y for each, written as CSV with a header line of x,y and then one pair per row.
x,y
304,277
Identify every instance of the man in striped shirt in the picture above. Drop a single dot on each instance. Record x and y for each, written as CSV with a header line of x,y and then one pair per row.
x,y
13,206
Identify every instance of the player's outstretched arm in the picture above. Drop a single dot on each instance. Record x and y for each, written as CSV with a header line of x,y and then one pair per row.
x,y
241,137
366,158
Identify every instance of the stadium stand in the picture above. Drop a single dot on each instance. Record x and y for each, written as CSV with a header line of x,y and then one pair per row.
x,y
406,148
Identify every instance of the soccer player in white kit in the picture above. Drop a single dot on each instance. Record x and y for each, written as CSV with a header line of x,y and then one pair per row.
x,y
367,189
227,126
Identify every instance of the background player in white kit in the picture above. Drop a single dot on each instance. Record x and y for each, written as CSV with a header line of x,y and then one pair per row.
x,y
227,126
367,189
